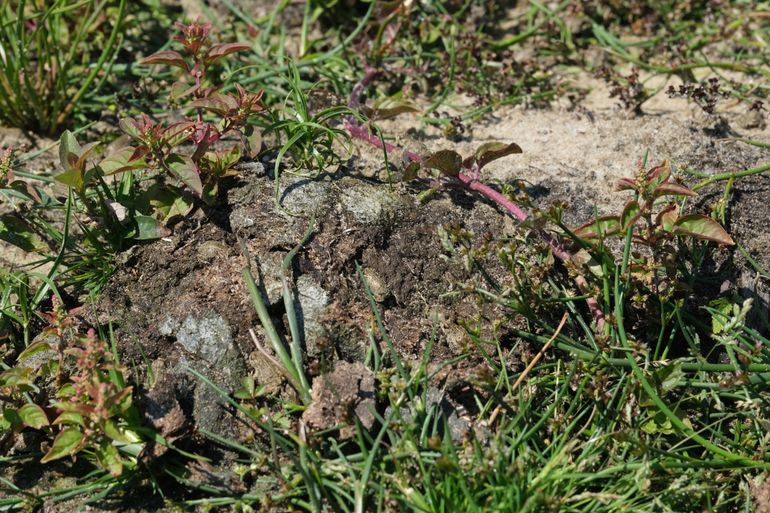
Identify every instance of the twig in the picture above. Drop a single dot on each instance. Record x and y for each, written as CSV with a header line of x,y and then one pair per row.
x,y
268,356
531,365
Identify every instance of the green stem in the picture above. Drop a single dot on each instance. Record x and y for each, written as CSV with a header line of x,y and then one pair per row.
x,y
732,175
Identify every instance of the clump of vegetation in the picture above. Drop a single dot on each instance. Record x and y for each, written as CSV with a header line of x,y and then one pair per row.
x,y
75,394
705,95
47,63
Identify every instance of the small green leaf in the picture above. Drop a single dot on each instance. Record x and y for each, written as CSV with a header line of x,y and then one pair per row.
x,y
210,191
69,418
68,442
11,415
69,150
119,434
604,226
658,425
702,227
149,228
109,458
669,376
39,345
16,376
66,390
33,416
185,169
71,178
725,307
446,161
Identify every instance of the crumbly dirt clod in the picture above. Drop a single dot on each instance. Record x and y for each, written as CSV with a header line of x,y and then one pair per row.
x,y
340,397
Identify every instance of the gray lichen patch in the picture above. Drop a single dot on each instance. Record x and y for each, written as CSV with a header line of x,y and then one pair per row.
x,y
208,337
368,204
304,196
312,299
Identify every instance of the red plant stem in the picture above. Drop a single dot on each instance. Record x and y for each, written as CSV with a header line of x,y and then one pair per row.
x,y
358,89
467,182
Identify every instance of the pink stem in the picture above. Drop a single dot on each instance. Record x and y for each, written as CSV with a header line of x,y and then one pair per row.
x,y
358,89
469,183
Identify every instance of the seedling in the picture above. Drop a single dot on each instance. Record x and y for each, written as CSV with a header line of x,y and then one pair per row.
x,y
164,148
654,220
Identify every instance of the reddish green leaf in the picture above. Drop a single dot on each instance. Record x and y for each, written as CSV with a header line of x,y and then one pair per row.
x,y
446,161
85,152
410,171
391,107
659,174
672,189
604,226
490,151
667,217
129,127
702,227
181,88
626,184
253,138
219,104
33,416
69,418
121,161
219,50
631,213
68,442
15,377
178,133
169,57
185,169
